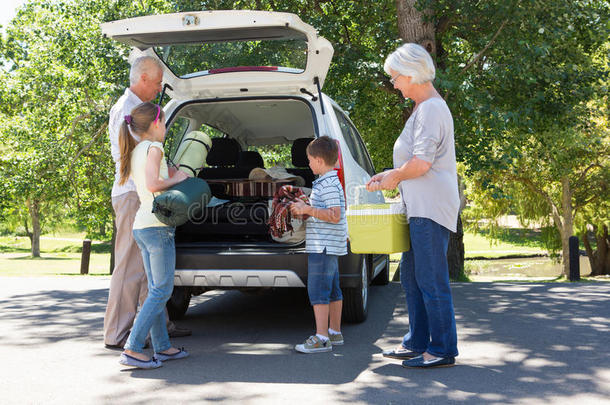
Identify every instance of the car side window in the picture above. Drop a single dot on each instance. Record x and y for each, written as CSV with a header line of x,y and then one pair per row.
x,y
354,143
174,135
368,163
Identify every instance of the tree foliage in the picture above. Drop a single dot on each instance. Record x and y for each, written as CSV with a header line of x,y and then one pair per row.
x,y
538,141
526,81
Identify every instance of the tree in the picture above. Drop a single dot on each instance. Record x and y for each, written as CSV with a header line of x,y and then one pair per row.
x,y
518,75
539,144
59,78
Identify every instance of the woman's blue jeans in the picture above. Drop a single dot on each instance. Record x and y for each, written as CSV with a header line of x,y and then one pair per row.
x,y
159,254
424,276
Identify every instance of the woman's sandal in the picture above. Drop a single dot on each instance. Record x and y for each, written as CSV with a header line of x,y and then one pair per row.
x,y
131,361
180,354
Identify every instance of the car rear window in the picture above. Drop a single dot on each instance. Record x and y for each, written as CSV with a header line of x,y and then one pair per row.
x,y
197,59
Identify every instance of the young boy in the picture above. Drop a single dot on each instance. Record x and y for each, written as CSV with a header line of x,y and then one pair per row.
x,y
326,240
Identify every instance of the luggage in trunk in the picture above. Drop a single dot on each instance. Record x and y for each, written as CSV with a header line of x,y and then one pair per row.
x,y
245,188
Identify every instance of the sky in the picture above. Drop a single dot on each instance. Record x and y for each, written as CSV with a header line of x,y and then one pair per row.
x,y
8,10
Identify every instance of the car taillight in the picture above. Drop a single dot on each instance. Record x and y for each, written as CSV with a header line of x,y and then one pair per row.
x,y
339,169
243,69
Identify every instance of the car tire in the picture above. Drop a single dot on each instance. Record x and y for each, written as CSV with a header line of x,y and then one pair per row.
x,y
383,278
355,300
179,302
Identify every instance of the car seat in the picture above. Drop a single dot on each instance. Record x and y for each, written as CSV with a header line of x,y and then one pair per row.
x,y
222,160
250,160
300,161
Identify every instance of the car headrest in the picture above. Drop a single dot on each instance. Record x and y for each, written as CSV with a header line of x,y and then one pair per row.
x,y
250,160
299,153
224,152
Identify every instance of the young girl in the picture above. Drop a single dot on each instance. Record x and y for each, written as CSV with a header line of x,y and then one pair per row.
x,y
144,162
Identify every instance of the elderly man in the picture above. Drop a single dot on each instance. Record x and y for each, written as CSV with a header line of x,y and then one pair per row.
x,y
128,282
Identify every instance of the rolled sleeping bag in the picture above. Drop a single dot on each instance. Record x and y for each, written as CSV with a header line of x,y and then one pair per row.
x,y
176,205
192,152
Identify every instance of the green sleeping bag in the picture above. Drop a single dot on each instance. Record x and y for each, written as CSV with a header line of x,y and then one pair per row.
x,y
192,152
184,201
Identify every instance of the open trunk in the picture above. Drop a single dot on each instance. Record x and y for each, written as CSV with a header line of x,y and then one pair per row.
x,y
246,133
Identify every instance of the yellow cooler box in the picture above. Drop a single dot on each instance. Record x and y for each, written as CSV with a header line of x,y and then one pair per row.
x,y
378,228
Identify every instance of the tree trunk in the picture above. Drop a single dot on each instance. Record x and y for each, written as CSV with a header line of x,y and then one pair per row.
x,y
605,241
455,252
568,225
413,27
600,258
34,212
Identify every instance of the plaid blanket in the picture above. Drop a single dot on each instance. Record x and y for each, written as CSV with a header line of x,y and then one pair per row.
x,y
280,218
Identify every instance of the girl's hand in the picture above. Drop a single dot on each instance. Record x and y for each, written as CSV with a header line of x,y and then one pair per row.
x,y
180,176
299,208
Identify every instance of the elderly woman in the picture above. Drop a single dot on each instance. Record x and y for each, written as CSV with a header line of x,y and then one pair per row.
x,y
425,172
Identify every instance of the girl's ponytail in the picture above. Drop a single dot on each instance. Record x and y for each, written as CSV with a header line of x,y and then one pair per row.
x,y
138,122
126,145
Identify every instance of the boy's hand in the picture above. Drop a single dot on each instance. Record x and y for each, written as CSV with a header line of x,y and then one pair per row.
x,y
299,208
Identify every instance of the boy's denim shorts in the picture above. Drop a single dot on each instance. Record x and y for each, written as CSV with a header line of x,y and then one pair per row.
x,y
323,278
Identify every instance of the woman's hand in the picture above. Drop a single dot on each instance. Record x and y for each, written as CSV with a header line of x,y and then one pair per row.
x,y
390,180
299,208
374,183
384,181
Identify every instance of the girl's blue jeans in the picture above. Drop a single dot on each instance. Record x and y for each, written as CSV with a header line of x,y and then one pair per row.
x,y
159,254
424,276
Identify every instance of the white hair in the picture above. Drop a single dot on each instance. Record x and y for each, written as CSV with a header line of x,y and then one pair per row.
x,y
143,64
411,60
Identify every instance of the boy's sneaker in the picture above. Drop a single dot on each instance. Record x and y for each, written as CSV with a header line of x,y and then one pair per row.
x,y
336,339
314,344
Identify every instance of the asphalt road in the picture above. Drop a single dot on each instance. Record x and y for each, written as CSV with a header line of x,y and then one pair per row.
x,y
519,344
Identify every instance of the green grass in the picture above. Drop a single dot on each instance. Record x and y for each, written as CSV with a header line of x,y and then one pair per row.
x,y
518,242
58,256
51,264
67,243
61,252
514,242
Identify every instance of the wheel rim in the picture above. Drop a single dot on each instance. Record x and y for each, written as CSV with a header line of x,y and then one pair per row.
x,y
365,282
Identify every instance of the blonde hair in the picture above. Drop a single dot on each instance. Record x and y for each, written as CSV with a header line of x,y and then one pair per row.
x,y
137,122
411,60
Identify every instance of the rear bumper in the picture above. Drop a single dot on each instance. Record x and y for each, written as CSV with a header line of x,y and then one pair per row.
x,y
234,269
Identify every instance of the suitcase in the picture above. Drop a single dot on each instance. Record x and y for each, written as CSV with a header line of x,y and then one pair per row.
x,y
245,188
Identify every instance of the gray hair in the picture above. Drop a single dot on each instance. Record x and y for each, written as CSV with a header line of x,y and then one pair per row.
x,y
411,60
144,64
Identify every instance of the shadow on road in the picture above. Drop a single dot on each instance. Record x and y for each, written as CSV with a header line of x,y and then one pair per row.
x,y
517,342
